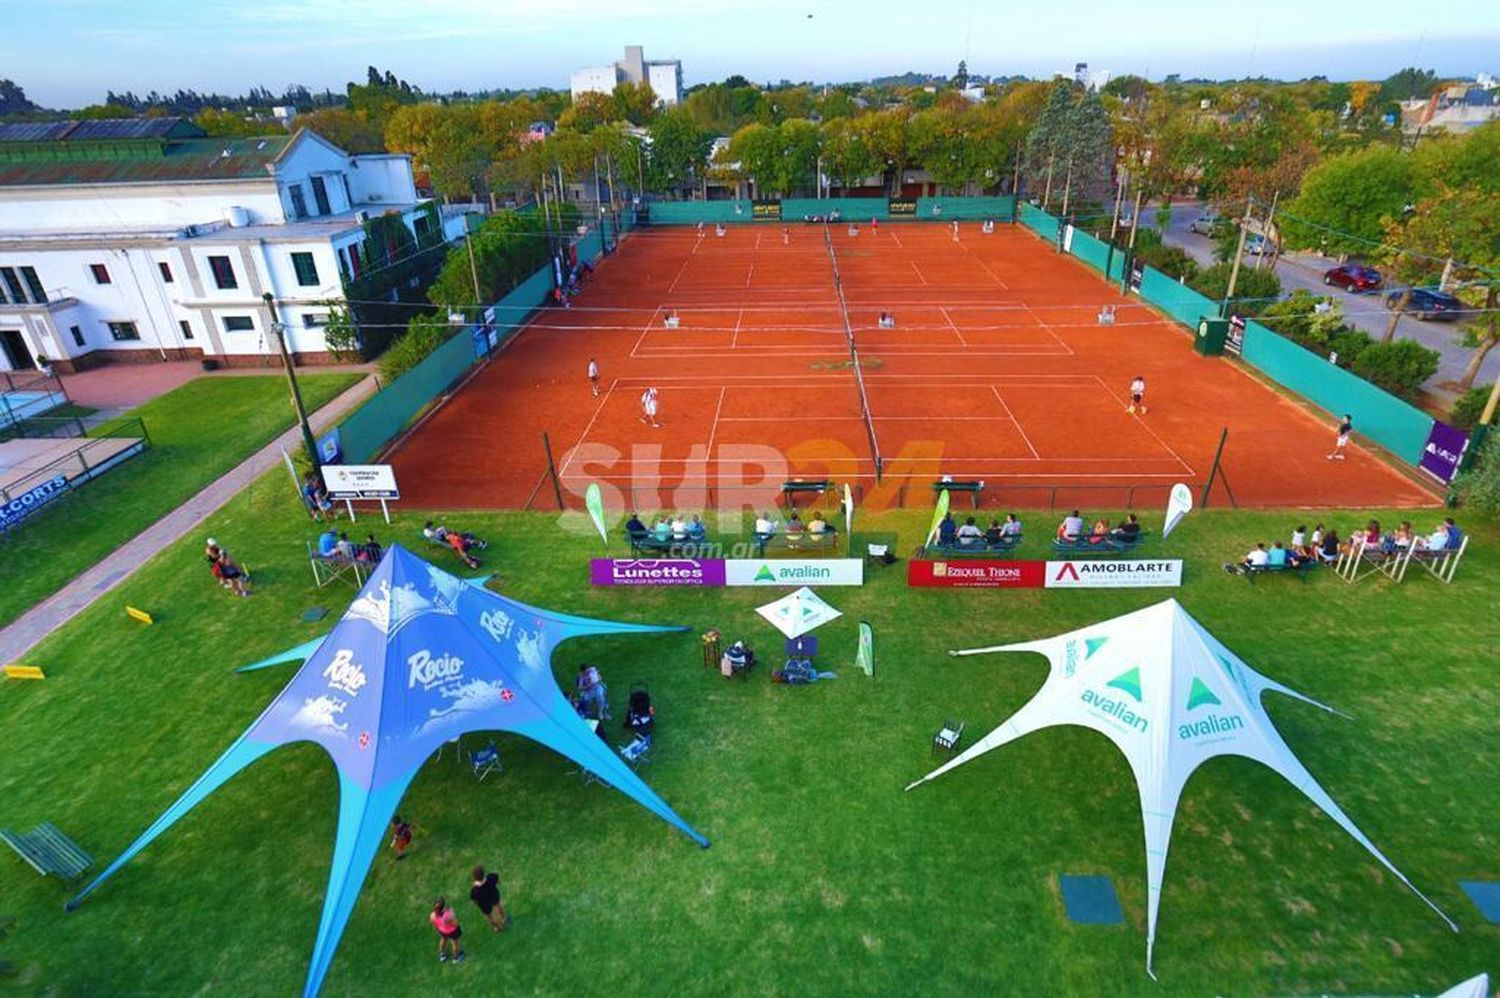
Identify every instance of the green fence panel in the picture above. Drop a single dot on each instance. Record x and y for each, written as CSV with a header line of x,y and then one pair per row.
x,y
1090,250
1177,300
999,208
1040,222
512,311
1117,265
382,417
693,212
852,209
591,246
1400,428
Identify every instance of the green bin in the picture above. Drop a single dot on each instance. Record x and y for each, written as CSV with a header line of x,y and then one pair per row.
x,y
1212,333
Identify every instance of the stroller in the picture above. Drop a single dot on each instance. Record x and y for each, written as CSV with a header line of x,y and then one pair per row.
x,y
640,716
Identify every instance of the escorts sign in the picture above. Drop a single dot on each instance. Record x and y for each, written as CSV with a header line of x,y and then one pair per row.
x,y
995,574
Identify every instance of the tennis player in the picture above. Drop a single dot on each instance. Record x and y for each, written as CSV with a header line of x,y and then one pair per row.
x,y
955,230
786,237
1137,395
1345,431
649,407
594,377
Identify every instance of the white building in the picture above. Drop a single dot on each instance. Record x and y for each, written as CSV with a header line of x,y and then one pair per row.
x,y
664,76
142,240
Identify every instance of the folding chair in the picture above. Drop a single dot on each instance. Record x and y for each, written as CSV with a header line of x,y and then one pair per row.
x,y
1361,561
638,752
876,553
1441,565
948,737
330,569
485,761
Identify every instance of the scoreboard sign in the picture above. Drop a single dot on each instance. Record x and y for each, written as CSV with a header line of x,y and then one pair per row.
x,y
767,209
903,207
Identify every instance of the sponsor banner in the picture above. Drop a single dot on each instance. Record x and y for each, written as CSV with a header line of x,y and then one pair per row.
x,y
765,209
656,572
794,572
360,481
1444,450
330,448
1113,574
32,500
1179,504
976,573
899,207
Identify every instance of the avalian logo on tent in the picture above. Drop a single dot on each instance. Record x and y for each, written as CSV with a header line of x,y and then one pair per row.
x,y
1070,654
765,574
429,672
344,674
1130,682
1199,695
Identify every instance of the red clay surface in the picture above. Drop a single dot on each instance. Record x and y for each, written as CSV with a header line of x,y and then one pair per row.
x,y
997,370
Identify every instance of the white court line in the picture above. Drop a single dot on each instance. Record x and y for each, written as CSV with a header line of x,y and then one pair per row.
x,y
650,323
1027,440
713,428
913,265
949,319
1048,328
674,353
1146,426
898,241
673,286
592,420
993,276
736,337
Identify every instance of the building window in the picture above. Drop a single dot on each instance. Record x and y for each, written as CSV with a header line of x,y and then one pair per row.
x,y
320,196
13,285
77,336
314,320
38,293
307,269
166,271
186,327
123,330
239,324
352,250
299,201
223,272
422,226
100,272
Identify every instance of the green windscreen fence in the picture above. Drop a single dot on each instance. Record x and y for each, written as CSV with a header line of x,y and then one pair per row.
x,y
851,209
1039,221
1177,300
693,212
999,208
1090,250
382,417
1400,428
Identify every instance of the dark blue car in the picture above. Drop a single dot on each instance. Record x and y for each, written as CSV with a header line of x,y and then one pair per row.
x,y
1427,303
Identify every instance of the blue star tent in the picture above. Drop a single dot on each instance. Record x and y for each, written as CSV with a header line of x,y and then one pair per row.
x,y
419,658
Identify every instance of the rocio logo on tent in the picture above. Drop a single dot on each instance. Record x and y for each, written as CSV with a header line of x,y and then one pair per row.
x,y
497,624
344,674
428,672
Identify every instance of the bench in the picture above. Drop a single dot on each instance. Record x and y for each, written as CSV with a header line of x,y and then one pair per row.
x,y
1003,548
1301,570
1108,547
793,486
826,541
649,543
49,851
975,488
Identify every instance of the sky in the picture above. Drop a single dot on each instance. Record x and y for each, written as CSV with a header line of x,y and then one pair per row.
x,y
67,53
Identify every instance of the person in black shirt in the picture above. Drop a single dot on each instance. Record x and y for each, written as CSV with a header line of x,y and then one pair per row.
x,y
486,895
1127,531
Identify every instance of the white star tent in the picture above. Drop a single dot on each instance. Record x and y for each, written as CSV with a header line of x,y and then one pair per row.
x,y
1474,987
1170,697
797,613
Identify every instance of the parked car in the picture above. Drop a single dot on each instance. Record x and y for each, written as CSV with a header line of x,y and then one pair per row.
x,y
1204,223
1256,244
1353,277
1427,303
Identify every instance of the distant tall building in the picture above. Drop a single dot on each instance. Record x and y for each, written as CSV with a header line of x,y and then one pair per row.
x,y
664,76
1091,79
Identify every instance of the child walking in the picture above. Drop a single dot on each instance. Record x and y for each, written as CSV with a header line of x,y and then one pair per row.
x,y
400,836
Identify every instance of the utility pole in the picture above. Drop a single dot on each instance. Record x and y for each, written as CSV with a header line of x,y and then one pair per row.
x,y
1015,177
1266,241
473,267
1137,216
1047,193
1234,270
1114,223
278,329
1447,277
1067,189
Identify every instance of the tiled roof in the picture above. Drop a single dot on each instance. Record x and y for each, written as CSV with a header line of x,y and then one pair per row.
x,y
99,130
167,160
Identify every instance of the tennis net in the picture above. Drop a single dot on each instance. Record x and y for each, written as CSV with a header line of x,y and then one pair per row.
x,y
859,376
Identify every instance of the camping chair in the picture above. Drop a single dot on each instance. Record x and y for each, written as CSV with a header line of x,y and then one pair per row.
x,y
485,761
878,554
638,752
1361,561
1441,565
331,568
948,737
640,715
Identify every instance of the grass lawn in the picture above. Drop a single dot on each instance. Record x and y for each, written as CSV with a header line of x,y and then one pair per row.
x,y
824,878
198,432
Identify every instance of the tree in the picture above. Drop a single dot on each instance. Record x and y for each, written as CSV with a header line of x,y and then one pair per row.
x,y
351,131
1346,200
941,141
884,133
634,102
847,157
961,78
1048,141
13,99
679,150
380,96
447,141
1408,83
588,112
228,125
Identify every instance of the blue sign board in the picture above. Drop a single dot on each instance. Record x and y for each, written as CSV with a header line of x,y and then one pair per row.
x,y
330,449
23,505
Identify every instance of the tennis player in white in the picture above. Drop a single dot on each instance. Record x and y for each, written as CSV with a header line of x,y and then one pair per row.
x,y
648,408
594,377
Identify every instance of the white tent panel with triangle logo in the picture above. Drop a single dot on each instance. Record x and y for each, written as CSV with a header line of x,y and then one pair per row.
x,y
798,612
1171,697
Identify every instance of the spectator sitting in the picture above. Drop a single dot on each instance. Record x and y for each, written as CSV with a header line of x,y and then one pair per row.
x,y
794,524
1299,538
969,535
431,532
328,544
947,531
1011,528
764,526
1328,546
816,524
634,527
370,550
344,549
1070,528
1276,557
696,531
1403,536
1455,536
736,657
719,229
995,534
1438,539
1100,532
1258,557
679,528
1128,531
663,529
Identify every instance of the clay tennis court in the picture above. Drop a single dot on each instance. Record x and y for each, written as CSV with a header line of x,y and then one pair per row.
x,y
997,369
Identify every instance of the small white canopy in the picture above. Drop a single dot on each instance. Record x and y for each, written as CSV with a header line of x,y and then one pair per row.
x,y
799,612
1170,697
1474,987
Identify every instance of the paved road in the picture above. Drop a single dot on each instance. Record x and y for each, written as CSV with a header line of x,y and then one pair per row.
x,y
1366,312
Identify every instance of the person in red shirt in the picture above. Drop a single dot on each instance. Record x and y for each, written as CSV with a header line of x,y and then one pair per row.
x,y
446,923
400,836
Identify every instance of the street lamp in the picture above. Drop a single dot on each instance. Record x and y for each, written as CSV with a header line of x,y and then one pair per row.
x,y
278,329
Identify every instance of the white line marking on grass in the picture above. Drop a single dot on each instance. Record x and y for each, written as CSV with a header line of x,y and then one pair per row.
x,y
1012,417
